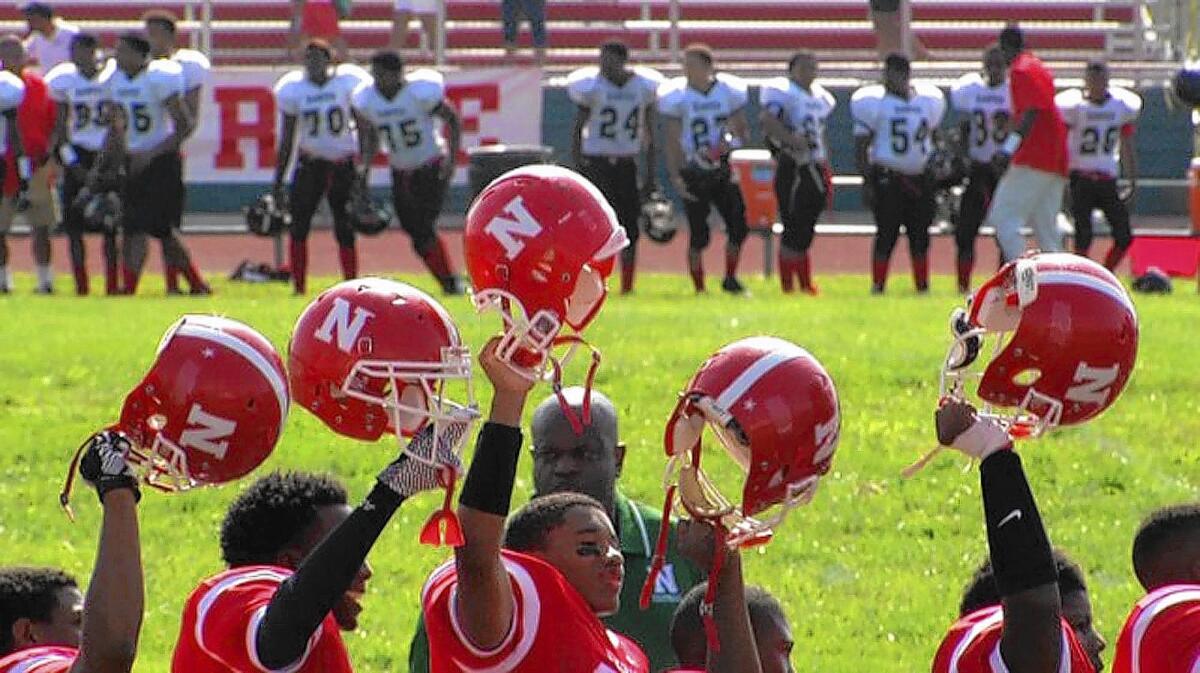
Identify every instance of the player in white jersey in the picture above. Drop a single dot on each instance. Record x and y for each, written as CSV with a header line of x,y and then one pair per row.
x,y
315,103
794,111
12,92
1100,146
402,109
147,123
894,123
160,30
982,102
705,120
78,88
614,121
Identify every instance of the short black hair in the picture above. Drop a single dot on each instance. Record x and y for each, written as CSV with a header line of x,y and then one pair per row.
x,y
88,40
897,62
617,48
1096,65
527,528
801,55
162,18
388,60
318,43
687,626
1161,533
1012,38
700,51
136,41
28,593
274,512
38,9
981,591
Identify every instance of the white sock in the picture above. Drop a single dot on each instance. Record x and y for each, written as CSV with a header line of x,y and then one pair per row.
x,y
44,275
5,281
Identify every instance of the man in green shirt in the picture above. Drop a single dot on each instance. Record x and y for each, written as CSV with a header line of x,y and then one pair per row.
x,y
591,464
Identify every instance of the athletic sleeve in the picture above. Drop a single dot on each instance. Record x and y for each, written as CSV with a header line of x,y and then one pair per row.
x,y
360,101
739,91
58,80
166,83
286,98
864,109
670,98
580,85
936,103
429,88
829,100
1171,643
1067,103
12,92
962,92
446,637
196,71
651,80
773,96
1132,109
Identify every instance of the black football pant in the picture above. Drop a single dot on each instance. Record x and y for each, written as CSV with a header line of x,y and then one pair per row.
x,y
714,189
617,180
313,180
73,181
902,201
981,184
417,197
801,194
1090,193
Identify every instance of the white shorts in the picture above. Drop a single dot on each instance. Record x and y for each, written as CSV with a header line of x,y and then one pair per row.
x,y
417,6
1027,196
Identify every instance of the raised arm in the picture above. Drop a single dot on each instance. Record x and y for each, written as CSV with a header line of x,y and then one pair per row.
x,y
484,607
1018,546
112,610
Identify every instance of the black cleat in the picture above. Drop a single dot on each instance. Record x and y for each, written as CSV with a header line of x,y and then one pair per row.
x,y
732,285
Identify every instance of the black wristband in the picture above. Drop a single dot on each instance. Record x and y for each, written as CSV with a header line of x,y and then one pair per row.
x,y
107,484
489,484
1020,549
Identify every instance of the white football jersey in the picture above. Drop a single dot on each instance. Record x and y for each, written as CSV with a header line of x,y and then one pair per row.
x,y
143,98
12,92
901,130
1094,140
84,98
406,124
615,126
324,122
989,112
801,111
195,66
702,114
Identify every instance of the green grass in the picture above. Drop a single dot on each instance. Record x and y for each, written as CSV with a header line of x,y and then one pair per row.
x,y
870,573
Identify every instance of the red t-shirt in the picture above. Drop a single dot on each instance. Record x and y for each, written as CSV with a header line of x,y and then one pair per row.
x,y
1032,88
1162,634
220,622
35,122
553,628
973,646
39,660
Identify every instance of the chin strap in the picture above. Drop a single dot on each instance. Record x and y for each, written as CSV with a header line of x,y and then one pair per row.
x,y
64,496
578,421
660,550
443,526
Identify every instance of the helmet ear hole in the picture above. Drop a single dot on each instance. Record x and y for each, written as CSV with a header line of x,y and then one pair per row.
x,y
1027,377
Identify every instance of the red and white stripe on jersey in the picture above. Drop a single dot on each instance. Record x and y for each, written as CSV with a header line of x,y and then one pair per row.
x,y
1162,633
552,627
973,646
223,333
40,660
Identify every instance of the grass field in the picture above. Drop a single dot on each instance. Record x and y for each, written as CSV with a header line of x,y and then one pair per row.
x,y
870,573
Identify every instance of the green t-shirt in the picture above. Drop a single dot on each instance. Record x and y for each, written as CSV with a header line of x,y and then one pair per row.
x,y
637,526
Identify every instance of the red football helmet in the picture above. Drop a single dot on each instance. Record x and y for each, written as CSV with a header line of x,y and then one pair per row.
x,y
1066,341
371,356
540,242
211,407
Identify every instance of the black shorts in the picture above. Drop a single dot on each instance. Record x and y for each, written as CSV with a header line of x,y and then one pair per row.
x,y
151,198
73,180
617,180
417,197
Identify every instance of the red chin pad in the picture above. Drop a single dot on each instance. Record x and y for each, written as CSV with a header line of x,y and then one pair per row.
x,y
604,266
529,359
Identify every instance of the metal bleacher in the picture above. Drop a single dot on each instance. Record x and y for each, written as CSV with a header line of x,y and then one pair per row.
x,y
749,37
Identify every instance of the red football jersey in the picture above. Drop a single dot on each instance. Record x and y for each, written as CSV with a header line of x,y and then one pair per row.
x,y
973,646
1032,88
39,660
553,630
1162,634
220,620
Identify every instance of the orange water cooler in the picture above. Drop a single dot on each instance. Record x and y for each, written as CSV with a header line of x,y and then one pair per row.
x,y
754,172
1194,194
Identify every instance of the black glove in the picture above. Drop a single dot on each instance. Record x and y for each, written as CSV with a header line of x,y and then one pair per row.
x,y
408,476
104,465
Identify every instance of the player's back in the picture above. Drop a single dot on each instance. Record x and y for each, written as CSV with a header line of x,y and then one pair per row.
x,y
973,646
1162,633
554,629
220,623
39,660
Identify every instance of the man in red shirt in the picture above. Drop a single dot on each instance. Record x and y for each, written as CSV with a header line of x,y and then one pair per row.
x,y
1036,147
46,625
36,117
529,596
1162,633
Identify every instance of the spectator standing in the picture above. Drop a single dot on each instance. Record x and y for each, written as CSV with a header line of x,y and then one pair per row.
x,y
535,12
319,20
49,40
36,117
427,12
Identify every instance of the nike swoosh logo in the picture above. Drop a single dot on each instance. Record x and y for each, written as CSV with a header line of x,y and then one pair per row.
x,y
1015,514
